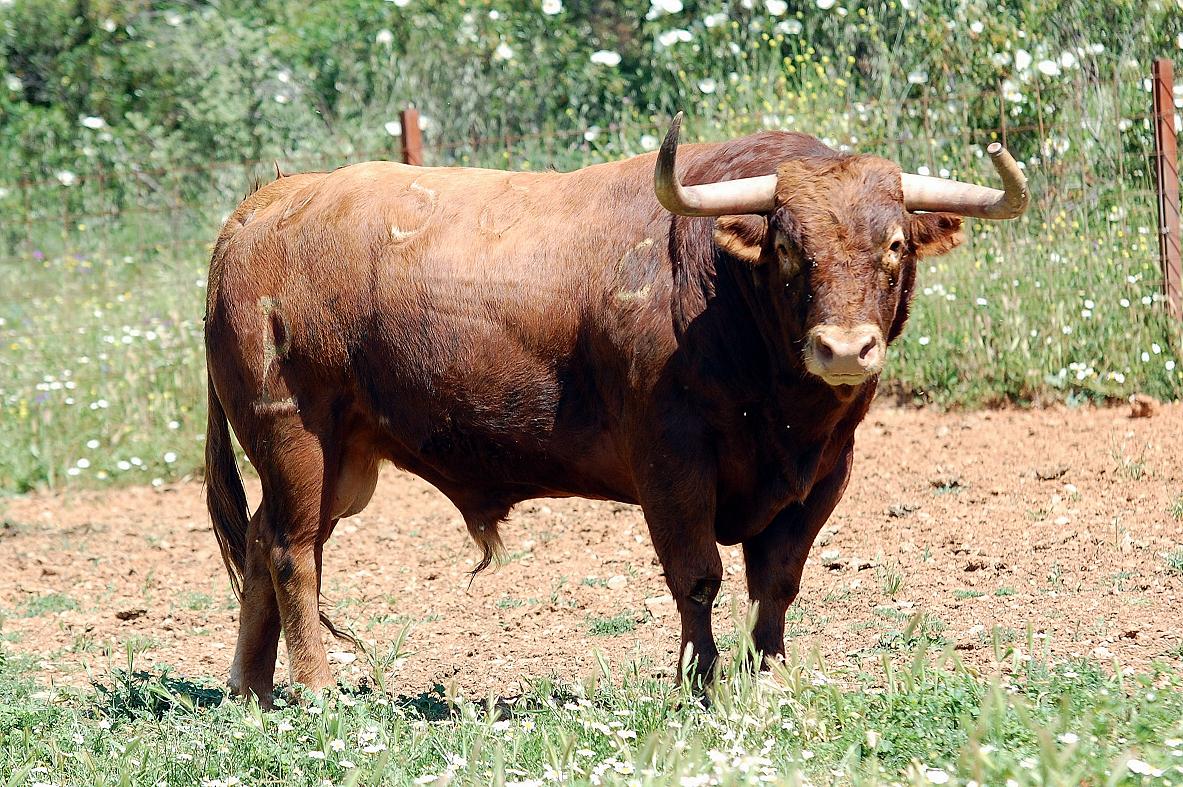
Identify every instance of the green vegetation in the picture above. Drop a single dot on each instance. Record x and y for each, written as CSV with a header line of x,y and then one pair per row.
x,y
50,603
614,626
124,129
915,717
1174,560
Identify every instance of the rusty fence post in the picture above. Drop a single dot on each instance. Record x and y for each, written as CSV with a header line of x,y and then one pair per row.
x,y
1166,171
412,137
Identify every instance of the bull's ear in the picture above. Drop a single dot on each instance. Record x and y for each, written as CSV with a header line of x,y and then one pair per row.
x,y
743,237
935,233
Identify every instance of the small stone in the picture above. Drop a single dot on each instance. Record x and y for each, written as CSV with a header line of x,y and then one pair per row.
x,y
343,657
660,606
1142,406
1051,472
617,582
131,614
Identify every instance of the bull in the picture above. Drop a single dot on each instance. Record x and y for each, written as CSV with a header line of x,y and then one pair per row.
x,y
705,351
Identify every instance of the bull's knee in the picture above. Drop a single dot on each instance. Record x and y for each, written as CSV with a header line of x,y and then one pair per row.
x,y
704,591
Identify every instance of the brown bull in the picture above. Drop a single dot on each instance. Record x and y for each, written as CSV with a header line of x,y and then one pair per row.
x,y
507,336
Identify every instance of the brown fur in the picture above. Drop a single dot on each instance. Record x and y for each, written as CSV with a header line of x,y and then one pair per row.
x,y
515,335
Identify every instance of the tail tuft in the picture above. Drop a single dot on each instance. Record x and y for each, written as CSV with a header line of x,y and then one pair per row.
x,y
484,533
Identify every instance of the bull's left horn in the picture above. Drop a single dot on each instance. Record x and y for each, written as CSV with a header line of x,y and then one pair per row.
x,y
922,192
728,197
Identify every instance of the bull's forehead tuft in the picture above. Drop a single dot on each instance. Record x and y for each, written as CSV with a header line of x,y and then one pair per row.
x,y
853,201
839,181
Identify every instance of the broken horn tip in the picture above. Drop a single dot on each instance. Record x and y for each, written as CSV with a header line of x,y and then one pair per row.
x,y
994,148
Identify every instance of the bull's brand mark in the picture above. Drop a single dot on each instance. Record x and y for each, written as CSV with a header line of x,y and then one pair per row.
x,y
276,345
430,201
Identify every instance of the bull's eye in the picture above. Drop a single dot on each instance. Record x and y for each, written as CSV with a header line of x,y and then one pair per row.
x,y
790,261
894,254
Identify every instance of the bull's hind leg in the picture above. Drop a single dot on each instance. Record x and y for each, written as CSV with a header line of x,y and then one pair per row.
x,y
295,563
253,669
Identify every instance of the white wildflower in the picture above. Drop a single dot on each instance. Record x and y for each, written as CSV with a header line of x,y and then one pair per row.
x,y
671,37
606,57
776,7
552,7
93,121
384,37
1049,68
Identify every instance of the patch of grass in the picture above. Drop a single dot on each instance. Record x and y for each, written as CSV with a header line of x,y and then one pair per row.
x,y
967,594
891,578
1174,561
196,601
910,716
1128,465
50,603
1004,591
614,626
1176,509
509,603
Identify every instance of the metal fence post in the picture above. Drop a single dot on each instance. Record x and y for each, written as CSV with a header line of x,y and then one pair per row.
x,y
412,137
1166,170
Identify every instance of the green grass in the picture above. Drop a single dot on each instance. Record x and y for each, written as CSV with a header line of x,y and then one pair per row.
x,y
1174,560
50,603
915,716
613,626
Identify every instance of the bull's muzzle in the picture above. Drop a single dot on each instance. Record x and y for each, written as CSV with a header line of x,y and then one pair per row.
x,y
845,356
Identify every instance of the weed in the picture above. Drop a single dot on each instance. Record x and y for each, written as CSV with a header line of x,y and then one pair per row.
x,y
891,578
614,626
1174,561
1176,509
967,594
1127,465
195,601
50,603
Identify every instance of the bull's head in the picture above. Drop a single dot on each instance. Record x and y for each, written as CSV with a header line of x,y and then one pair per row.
x,y
835,241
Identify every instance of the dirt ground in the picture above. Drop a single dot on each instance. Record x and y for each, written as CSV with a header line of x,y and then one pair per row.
x,y
986,521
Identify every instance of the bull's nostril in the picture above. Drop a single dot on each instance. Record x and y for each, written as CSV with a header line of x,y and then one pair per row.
x,y
823,351
868,349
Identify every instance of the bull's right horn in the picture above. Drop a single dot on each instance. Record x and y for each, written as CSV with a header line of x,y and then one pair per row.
x,y
725,198
922,192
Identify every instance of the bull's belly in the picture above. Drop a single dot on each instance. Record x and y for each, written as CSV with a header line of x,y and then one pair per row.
x,y
482,468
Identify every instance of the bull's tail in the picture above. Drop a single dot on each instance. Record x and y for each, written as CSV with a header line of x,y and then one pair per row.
x,y
224,496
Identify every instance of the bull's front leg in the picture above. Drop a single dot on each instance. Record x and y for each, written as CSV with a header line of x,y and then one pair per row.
x,y
678,498
775,558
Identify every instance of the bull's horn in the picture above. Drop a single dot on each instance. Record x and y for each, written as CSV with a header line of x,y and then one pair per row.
x,y
922,192
728,197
